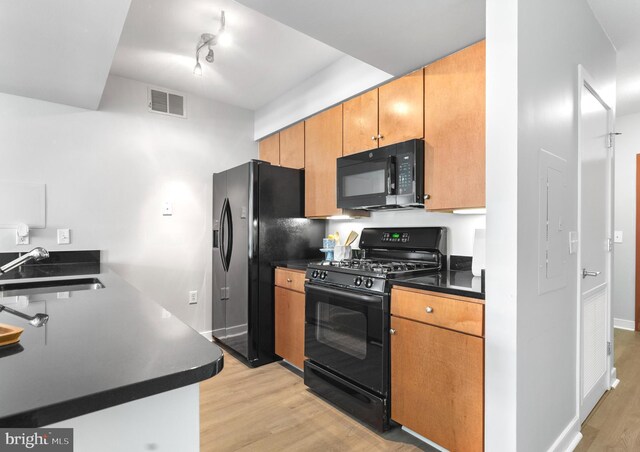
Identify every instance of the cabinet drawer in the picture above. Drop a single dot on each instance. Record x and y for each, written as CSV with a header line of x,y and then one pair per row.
x,y
457,314
290,279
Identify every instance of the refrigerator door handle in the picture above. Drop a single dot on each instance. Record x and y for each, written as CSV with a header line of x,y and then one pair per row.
x,y
229,234
223,234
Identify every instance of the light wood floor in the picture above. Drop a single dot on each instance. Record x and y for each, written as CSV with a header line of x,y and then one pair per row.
x,y
270,409
614,425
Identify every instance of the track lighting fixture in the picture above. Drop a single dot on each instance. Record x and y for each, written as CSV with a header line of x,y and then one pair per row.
x,y
208,40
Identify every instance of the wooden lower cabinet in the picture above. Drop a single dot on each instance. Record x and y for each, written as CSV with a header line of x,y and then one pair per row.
x,y
289,325
437,384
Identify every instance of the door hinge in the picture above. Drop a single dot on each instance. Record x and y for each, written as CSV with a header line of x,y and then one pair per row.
x,y
609,348
611,139
609,244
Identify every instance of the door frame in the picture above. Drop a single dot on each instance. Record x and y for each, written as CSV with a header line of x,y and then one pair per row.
x,y
585,79
636,320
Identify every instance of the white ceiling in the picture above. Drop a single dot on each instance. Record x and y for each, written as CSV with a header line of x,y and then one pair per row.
x,y
621,21
394,36
59,51
264,60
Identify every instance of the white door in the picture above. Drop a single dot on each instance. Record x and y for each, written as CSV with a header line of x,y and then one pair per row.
x,y
594,253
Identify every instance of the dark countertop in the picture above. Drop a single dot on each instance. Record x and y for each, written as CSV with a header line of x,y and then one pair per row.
x,y
296,264
460,282
100,348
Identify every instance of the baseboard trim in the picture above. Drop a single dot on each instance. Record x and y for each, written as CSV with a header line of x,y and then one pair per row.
x,y
623,324
569,438
424,440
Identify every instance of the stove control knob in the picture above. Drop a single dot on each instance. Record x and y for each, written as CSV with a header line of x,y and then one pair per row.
x,y
357,281
315,274
368,283
323,275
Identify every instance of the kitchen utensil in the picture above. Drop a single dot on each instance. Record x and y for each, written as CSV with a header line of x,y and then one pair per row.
x,y
336,237
37,320
9,334
353,235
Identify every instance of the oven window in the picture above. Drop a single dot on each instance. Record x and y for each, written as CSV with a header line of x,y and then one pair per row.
x,y
360,184
342,329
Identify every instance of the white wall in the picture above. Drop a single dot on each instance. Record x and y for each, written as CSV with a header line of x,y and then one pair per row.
x,y
535,333
624,264
108,173
337,82
460,228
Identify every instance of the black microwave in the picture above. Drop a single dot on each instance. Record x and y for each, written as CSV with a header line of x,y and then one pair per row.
x,y
390,177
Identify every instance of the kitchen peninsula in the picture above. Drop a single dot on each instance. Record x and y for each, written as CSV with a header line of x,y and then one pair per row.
x,y
62,374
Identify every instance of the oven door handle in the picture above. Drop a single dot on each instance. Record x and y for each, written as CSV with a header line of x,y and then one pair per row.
x,y
342,293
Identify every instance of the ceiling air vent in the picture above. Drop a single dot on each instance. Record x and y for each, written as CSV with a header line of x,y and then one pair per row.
x,y
166,103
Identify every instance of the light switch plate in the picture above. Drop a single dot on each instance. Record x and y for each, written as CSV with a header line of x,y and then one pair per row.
x,y
193,296
617,236
573,242
167,209
64,237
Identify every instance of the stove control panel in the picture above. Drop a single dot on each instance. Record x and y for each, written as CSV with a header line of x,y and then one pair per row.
x,y
396,237
347,280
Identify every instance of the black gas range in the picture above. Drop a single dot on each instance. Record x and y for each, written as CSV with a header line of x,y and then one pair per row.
x,y
347,317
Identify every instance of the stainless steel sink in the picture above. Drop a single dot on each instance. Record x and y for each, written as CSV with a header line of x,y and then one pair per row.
x,y
40,287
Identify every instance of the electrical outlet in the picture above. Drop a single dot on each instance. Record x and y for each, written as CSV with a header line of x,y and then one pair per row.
x,y
22,240
64,237
167,209
193,297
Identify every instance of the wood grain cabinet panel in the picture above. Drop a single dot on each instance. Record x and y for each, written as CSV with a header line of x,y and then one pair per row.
x,y
270,149
360,123
454,92
437,384
456,313
290,279
292,146
289,315
401,109
323,145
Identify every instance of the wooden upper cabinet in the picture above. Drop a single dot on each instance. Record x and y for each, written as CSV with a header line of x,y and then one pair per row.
x,y
292,146
401,109
270,149
323,145
454,89
360,123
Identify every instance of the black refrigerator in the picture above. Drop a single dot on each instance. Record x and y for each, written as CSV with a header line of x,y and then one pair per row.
x,y
258,218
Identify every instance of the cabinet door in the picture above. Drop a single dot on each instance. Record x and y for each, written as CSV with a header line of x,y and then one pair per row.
x,y
402,109
323,145
361,123
289,325
437,384
292,146
455,130
270,149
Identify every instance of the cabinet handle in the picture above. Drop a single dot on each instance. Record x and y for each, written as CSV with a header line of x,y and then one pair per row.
x,y
374,138
429,309
427,197
289,280
380,137
392,331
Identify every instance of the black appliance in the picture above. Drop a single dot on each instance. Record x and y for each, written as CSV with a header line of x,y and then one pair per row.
x,y
347,317
390,177
258,218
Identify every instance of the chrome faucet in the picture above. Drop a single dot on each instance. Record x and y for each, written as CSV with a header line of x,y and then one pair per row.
x,y
35,255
